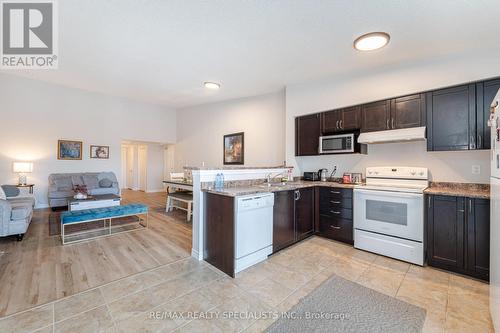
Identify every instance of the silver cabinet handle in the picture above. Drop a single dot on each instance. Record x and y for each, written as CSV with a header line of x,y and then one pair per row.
x,y
335,202
472,142
341,125
334,212
387,124
479,141
334,192
429,200
461,211
392,123
334,227
337,124
470,205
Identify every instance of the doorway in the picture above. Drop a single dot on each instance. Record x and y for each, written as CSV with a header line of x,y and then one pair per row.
x,y
145,165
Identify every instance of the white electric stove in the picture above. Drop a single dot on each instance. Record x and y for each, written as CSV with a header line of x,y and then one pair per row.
x,y
389,212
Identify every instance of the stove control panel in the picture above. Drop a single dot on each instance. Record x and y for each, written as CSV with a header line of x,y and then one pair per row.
x,y
398,172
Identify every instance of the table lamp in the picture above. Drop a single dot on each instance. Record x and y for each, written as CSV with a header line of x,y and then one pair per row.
x,y
22,168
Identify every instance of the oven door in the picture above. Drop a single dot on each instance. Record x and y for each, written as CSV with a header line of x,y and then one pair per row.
x,y
390,213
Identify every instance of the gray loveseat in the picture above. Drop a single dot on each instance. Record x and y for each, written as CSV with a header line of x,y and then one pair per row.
x,y
61,185
15,215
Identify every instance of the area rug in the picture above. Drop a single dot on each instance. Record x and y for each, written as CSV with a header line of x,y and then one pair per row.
x,y
339,305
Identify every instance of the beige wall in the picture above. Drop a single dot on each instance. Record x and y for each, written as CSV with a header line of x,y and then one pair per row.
x,y
34,115
405,78
200,131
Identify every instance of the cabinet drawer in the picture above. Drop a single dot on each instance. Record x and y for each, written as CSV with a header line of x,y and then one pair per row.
x,y
334,192
335,203
336,228
336,212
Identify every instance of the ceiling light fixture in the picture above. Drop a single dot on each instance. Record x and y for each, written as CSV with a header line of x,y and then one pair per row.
x,y
212,85
371,41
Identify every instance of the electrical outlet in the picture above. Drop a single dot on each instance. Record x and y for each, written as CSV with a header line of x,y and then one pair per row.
x,y
476,169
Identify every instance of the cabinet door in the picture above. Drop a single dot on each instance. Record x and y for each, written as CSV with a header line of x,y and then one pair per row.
x,y
330,122
350,118
478,238
307,132
375,116
283,220
451,118
486,91
219,236
407,111
445,232
304,212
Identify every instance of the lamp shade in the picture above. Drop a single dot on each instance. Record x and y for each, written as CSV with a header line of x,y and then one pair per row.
x,y
22,167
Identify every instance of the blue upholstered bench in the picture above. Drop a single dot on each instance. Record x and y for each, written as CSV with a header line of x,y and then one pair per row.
x,y
102,214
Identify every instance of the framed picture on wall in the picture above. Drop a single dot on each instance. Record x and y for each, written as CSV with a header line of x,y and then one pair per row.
x,y
234,148
69,150
100,152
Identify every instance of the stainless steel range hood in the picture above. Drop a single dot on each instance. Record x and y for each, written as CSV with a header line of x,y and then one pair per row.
x,y
397,135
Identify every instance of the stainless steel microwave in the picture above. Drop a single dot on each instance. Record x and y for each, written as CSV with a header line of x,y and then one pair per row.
x,y
336,144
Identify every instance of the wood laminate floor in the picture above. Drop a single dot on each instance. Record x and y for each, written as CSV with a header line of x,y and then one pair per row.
x,y
39,269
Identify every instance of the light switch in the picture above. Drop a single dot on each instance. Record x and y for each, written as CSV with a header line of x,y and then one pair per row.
x,y
476,169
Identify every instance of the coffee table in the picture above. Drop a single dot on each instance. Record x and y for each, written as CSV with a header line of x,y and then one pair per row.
x,y
95,201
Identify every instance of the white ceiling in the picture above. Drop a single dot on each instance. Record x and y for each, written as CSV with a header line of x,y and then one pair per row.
x,y
162,51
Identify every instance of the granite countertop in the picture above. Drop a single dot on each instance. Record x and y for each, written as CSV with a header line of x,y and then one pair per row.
x,y
481,191
234,167
263,188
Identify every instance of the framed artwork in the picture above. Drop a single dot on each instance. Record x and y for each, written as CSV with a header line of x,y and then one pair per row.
x,y
69,150
100,152
234,148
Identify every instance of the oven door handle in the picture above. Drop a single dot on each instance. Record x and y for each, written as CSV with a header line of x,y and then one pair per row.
x,y
390,193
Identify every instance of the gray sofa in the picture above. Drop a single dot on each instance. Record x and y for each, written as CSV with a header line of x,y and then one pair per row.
x,y
61,185
15,215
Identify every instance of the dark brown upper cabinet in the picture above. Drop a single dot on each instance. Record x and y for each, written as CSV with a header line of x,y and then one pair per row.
x,y
407,111
396,113
307,133
347,119
375,116
485,92
451,118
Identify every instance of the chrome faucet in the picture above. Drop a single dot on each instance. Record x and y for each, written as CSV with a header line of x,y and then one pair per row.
x,y
269,178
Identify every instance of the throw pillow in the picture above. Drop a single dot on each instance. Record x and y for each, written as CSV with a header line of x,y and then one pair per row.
x,y
106,183
2,194
64,184
10,191
91,181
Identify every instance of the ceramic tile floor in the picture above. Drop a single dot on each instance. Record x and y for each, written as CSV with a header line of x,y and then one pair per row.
x,y
152,301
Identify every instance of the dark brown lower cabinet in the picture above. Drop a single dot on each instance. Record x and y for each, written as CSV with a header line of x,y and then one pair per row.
x,y
283,220
219,232
335,214
458,230
293,217
304,213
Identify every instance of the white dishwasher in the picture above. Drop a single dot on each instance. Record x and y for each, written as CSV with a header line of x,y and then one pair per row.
x,y
253,229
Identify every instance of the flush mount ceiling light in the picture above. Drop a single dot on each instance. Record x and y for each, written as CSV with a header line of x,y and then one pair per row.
x,y
212,85
371,41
